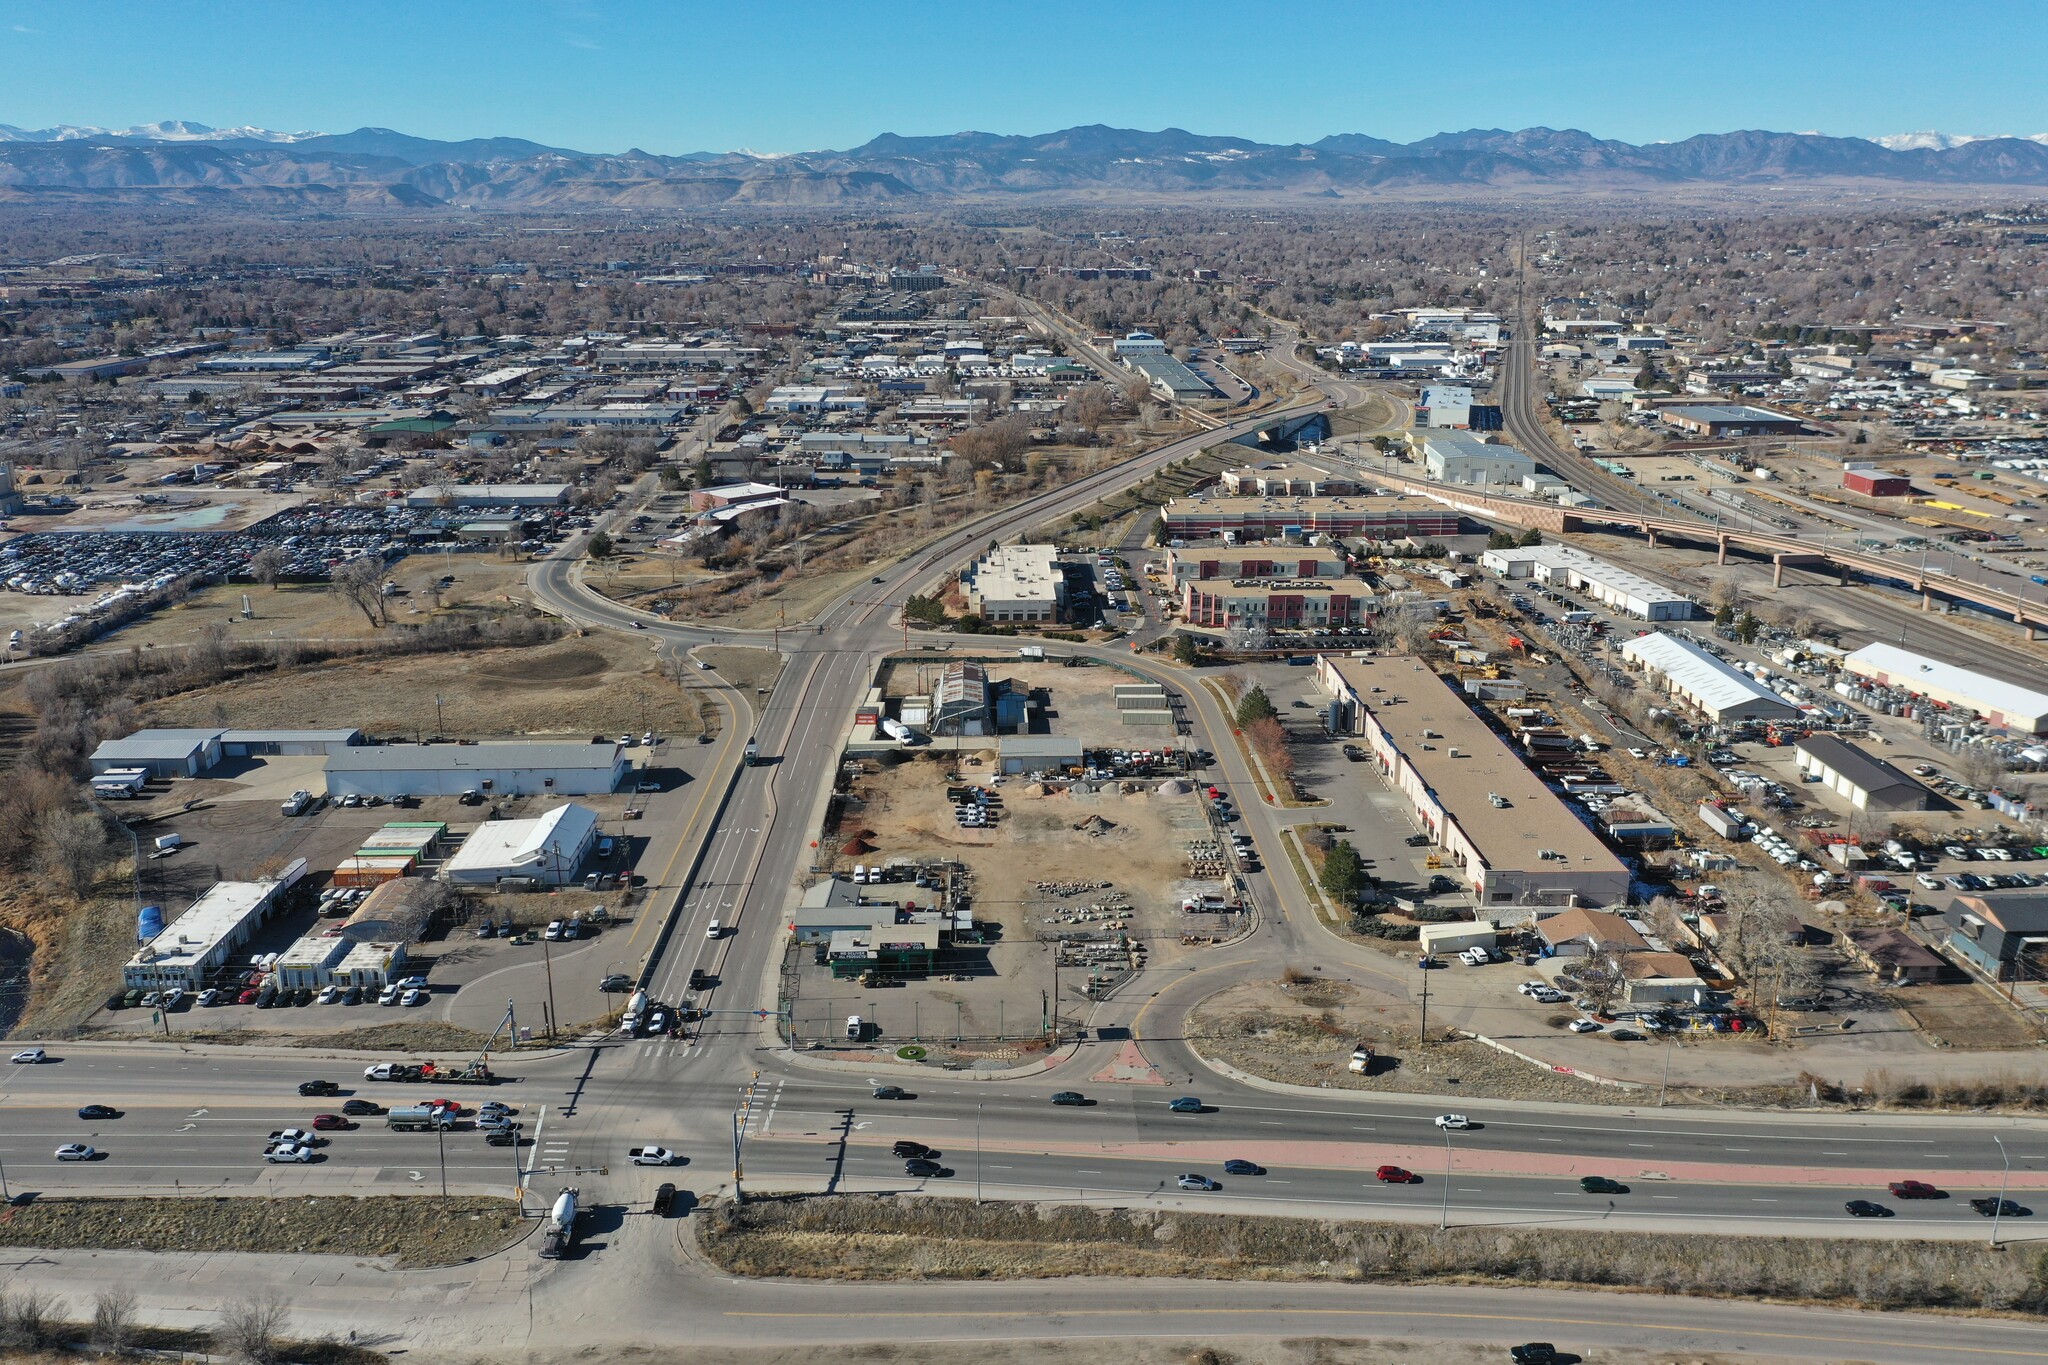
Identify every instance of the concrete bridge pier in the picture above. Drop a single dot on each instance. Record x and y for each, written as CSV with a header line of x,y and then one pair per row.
x,y
1720,549
1797,561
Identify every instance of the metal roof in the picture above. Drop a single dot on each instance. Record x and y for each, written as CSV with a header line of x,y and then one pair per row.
x,y
1949,683
1862,770
1731,412
499,754
161,745
1713,685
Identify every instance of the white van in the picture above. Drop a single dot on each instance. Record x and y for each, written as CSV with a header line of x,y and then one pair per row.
x,y
860,873
713,929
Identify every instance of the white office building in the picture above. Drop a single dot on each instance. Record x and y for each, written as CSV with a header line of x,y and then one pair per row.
x,y
1016,583
1450,406
197,944
494,768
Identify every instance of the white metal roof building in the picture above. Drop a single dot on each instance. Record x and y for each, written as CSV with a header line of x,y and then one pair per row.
x,y
197,943
549,849
498,767
1704,682
490,495
2002,703
1613,586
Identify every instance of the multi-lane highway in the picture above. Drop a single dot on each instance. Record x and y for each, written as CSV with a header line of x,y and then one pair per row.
x,y
198,1116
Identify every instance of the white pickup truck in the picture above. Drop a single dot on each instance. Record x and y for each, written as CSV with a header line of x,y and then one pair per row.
x,y
651,1156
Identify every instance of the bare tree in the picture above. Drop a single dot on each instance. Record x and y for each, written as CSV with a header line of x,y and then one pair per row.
x,y
267,566
71,849
361,581
1981,766
252,1329
113,1320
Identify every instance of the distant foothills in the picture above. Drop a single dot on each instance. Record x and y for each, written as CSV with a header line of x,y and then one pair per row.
x,y
375,167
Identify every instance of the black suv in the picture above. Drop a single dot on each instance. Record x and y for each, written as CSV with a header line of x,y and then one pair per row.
x,y
358,1108
699,979
922,1167
907,1148
319,1088
1533,1353
664,1200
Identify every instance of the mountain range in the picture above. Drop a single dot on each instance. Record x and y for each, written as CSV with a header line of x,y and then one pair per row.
x,y
177,161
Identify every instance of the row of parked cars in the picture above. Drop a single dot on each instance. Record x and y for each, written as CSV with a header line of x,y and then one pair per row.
x,y
411,990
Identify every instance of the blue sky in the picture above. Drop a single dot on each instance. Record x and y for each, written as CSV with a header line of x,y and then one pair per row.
x,y
683,76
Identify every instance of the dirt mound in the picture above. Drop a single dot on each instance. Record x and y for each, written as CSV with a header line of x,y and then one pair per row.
x,y
855,848
1095,825
1034,789
1173,786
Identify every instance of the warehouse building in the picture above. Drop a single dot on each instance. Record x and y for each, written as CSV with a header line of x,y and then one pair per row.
x,y
1172,380
493,768
489,495
286,743
1376,516
1489,813
1713,688
1872,484
549,849
1462,458
1041,753
1016,583
1715,421
2001,703
1560,566
1867,783
196,945
1212,560
161,753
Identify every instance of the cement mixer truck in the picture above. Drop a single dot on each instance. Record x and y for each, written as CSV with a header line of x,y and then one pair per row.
x,y
559,1233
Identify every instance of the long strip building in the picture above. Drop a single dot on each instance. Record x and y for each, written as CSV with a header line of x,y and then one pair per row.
x,y
1514,840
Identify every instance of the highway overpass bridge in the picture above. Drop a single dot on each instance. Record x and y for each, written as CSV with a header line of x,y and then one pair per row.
x,y
1784,549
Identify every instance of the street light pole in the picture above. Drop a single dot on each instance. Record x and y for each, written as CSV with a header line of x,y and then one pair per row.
x,y
548,965
1665,1085
1998,1209
977,1155
441,1140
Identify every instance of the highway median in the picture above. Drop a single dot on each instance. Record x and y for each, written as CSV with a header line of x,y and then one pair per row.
x,y
914,1238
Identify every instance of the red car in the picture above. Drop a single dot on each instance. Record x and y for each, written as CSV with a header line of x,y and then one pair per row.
x,y
326,1121
445,1104
247,997
1913,1189
1395,1175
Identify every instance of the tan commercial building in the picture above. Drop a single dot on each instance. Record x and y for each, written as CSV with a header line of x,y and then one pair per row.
x,y
1264,603
1016,583
1213,560
1378,516
1514,841
1286,480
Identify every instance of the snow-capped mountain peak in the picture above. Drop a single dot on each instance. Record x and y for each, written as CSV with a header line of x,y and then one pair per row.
x,y
1942,142
166,130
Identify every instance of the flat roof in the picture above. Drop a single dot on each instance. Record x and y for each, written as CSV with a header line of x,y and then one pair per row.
x,y
494,754
217,915
1714,684
1484,765
1376,503
1027,745
290,736
1731,412
1614,578
1869,773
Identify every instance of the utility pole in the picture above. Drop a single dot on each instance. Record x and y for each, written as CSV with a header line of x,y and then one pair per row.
x,y
1444,1220
977,1154
441,1140
548,965
1423,1037
2005,1175
1669,1042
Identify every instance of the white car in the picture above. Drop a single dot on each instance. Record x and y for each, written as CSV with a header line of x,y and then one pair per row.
x,y
29,1056
1931,883
415,996
1458,1121
330,995
388,996
1584,1026
289,1151
1533,987
292,1137
76,1151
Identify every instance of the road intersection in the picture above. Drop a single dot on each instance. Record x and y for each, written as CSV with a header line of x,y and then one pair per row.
x,y
196,1116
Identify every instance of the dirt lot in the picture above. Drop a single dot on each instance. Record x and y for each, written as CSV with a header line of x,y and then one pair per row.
x,y
1304,1034
414,1230
1130,856
1965,1015
596,684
